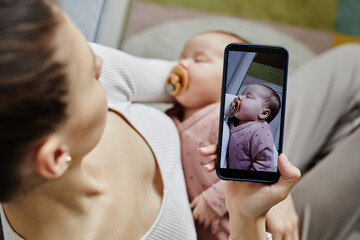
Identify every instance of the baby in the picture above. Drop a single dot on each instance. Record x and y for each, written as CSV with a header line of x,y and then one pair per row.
x,y
196,85
251,144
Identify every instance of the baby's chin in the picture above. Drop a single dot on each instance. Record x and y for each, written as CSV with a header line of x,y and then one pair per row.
x,y
190,103
193,99
183,100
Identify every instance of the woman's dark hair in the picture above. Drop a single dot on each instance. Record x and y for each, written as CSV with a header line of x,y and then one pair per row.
x,y
33,84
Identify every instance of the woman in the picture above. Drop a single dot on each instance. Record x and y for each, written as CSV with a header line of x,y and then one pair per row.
x,y
73,169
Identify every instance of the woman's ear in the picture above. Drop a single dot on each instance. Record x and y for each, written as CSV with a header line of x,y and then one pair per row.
x,y
51,159
264,114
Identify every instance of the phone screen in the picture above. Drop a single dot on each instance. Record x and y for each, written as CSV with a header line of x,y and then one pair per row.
x,y
252,112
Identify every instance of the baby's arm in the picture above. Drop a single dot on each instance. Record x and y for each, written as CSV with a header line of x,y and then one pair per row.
x,y
209,206
262,150
215,194
142,78
215,197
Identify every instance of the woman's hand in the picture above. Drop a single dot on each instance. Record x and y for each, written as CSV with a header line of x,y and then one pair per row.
x,y
247,201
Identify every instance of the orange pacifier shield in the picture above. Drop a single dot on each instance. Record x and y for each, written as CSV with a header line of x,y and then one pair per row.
x,y
177,81
235,105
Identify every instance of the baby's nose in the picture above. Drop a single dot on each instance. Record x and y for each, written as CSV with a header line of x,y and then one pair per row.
x,y
184,62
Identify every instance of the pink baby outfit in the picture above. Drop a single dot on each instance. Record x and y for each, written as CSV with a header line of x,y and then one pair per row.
x,y
251,147
199,130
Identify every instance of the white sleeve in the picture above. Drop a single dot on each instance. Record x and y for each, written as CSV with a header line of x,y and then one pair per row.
x,y
127,78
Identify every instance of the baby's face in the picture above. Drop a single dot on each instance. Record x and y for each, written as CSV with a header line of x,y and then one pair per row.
x,y
202,57
252,104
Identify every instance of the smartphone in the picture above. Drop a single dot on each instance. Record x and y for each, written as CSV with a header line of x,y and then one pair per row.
x,y
252,112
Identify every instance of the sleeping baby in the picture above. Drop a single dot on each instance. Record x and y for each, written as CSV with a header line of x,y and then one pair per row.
x,y
195,84
251,141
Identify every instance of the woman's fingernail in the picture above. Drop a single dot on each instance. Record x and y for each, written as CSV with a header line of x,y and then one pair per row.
x,y
208,166
204,148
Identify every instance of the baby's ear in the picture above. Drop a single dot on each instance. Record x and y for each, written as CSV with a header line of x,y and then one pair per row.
x,y
264,114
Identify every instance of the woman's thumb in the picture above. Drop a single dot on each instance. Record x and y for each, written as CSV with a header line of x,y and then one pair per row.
x,y
289,175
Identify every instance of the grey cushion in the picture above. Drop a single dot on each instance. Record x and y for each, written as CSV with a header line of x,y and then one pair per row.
x,y
101,21
86,14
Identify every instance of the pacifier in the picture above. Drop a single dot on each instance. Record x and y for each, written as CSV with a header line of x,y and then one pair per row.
x,y
234,105
177,81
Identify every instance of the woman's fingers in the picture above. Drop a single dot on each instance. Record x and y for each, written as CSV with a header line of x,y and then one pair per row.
x,y
208,150
210,166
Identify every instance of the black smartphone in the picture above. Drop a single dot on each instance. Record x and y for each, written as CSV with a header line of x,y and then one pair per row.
x,y
252,112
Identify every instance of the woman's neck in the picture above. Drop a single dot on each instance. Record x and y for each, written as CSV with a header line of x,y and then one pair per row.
x,y
99,197
51,206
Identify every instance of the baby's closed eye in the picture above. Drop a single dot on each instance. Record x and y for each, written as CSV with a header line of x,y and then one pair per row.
x,y
201,59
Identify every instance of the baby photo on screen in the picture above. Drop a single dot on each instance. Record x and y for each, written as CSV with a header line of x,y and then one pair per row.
x,y
252,111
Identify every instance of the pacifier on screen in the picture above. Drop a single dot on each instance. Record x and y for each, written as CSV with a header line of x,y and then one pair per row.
x,y
234,105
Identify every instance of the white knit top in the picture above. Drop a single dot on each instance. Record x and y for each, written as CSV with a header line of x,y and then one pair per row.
x,y
128,79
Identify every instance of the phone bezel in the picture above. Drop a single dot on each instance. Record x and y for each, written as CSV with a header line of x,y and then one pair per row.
x,y
250,175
